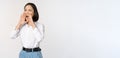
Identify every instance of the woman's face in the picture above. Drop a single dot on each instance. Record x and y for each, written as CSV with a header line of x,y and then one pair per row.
x,y
29,10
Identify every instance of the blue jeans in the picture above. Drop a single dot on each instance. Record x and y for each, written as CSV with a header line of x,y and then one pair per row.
x,y
24,54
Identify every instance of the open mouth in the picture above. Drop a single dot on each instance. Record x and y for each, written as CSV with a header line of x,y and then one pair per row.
x,y
26,16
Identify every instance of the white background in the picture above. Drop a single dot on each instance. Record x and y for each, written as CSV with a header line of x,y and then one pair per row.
x,y
73,28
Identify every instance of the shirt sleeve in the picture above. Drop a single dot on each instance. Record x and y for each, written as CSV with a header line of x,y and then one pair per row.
x,y
14,34
39,32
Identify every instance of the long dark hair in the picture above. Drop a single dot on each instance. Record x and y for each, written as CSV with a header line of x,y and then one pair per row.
x,y
36,15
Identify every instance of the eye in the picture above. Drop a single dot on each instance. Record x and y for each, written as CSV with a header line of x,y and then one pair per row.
x,y
30,10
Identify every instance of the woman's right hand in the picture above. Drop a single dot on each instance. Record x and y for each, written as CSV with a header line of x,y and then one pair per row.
x,y
21,21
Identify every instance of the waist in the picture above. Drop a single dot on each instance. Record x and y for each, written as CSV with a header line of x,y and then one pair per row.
x,y
32,49
30,44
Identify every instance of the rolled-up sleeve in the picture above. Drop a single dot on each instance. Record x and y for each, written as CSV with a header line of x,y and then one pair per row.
x,y
14,34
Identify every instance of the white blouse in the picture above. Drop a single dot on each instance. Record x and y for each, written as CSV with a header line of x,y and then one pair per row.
x,y
30,37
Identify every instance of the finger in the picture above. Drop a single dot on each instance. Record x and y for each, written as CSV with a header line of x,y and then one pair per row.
x,y
24,14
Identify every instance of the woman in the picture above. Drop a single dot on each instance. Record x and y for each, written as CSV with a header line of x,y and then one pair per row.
x,y
30,31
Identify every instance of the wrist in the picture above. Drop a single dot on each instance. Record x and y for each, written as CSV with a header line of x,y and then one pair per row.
x,y
18,26
33,25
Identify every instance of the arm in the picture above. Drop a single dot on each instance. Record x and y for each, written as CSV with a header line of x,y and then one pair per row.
x,y
15,32
39,32
38,29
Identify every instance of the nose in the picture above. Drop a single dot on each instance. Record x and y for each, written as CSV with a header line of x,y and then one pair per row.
x,y
26,12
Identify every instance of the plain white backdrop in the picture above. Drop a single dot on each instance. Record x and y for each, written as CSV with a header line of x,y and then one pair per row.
x,y
73,28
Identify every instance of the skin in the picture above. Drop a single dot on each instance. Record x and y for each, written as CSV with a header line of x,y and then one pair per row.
x,y
26,17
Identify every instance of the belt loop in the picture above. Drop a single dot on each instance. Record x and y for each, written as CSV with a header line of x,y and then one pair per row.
x,y
32,49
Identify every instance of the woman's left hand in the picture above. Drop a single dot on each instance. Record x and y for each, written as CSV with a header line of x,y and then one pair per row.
x,y
30,21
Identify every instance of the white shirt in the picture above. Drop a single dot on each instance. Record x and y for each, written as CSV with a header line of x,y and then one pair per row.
x,y
30,37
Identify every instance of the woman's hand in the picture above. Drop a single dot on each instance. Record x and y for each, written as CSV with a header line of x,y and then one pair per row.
x,y
30,21
22,21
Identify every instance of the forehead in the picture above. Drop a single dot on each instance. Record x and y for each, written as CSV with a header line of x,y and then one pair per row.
x,y
28,7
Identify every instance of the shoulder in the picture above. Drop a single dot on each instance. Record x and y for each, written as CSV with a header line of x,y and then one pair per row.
x,y
39,24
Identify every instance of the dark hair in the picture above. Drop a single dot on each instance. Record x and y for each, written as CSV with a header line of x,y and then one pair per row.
x,y
36,15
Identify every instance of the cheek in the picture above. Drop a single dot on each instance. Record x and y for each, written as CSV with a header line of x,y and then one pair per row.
x,y
31,13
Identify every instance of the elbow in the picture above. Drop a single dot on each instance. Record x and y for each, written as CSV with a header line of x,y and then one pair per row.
x,y
12,37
